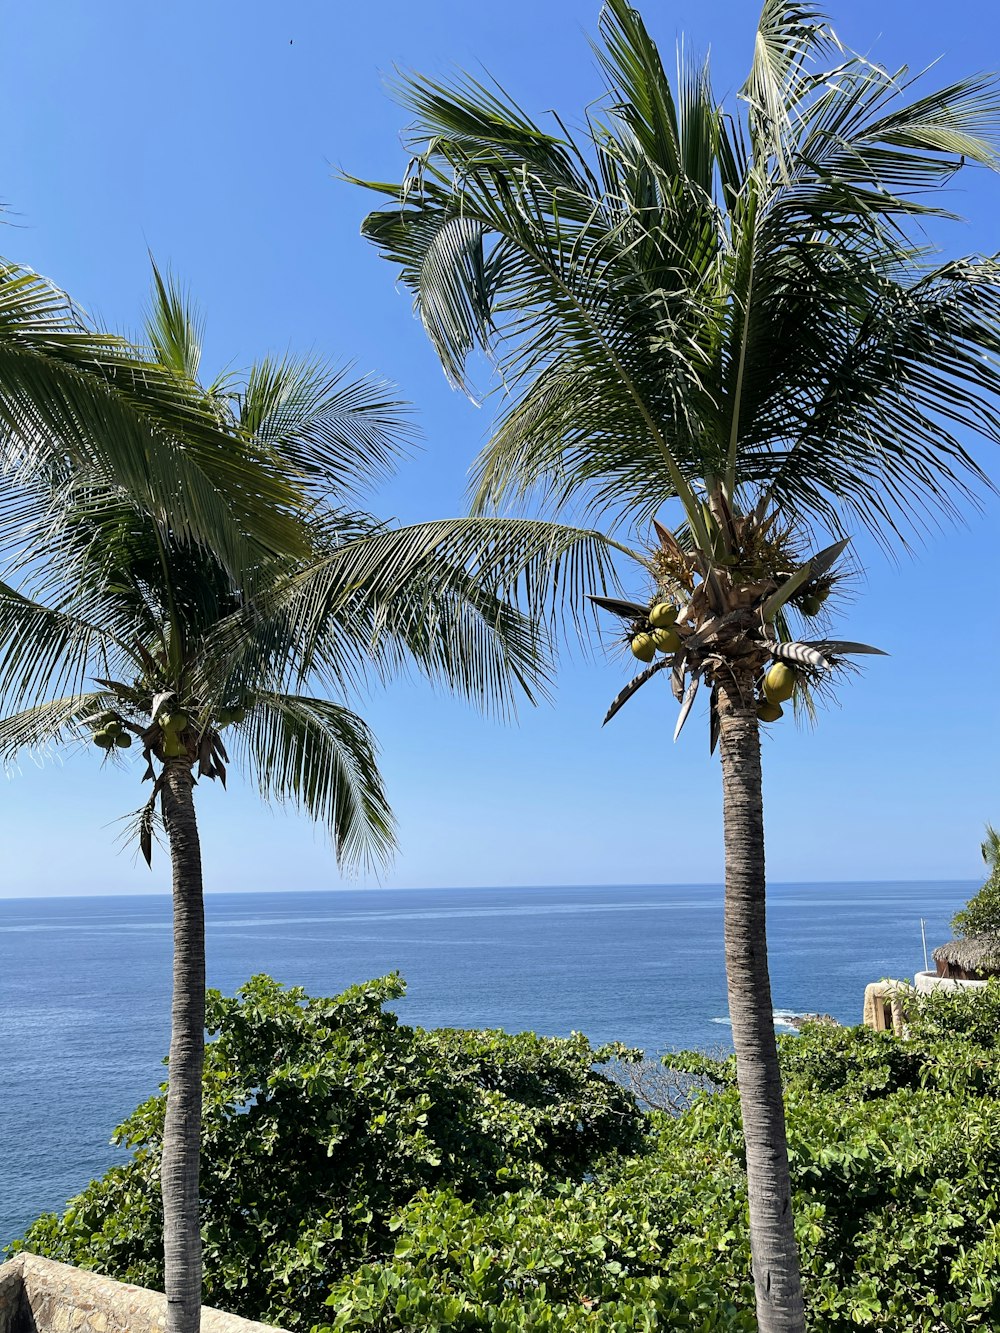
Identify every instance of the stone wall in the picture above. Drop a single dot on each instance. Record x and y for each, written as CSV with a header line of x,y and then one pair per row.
x,y
41,1296
13,1306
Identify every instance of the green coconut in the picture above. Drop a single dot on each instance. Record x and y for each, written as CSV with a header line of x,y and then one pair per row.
x,y
667,640
643,647
779,683
768,712
175,722
811,604
123,740
663,615
173,746
103,739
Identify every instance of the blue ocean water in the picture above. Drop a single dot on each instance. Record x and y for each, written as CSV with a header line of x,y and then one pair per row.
x,y
85,982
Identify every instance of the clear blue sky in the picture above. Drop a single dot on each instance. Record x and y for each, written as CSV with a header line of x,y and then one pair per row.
x,y
210,133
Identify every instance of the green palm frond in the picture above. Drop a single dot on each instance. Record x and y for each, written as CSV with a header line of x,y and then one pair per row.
x,y
991,848
66,390
342,435
565,299
173,327
455,577
320,757
45,649
461,602
47,725
790,39
676,137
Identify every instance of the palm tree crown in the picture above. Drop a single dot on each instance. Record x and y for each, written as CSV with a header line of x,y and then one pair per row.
x,y
690,301
161,632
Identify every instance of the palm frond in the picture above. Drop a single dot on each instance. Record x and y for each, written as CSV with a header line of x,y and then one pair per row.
x,y
320,757
544,568
65,389
463,602
683,298
342,435
45,649
790,37
174,327
47,725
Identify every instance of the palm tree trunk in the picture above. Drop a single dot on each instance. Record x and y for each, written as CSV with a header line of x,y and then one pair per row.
x,y
772,1232
182,1128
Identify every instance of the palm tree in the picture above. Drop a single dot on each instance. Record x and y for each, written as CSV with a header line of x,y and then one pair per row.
x,y
128,634
712,326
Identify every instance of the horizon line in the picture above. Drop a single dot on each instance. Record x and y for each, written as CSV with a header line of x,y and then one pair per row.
x,y
479,888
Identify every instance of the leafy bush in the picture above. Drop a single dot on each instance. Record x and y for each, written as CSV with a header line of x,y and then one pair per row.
x,y
495,1184
323,1117
896,1161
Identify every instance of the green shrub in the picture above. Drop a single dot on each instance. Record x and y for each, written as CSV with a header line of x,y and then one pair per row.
x,y
322,1118
496,1184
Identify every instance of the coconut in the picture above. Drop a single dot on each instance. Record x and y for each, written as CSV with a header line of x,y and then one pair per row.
x,y
666,640
663,615
122,739
173,747
103,739
175,722
768,712
810,604
643,647
779,683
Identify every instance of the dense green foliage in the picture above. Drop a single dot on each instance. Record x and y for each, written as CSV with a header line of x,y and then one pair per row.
x,y
322,1118
483,1182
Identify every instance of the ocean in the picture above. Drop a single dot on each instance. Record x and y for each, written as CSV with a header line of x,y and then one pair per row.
x,y
85,982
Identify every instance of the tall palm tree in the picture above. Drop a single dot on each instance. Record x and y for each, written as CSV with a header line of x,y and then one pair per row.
x,y
126,633
712,326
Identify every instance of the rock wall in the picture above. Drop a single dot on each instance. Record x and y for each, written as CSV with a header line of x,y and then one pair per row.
x,y
41,1296
13,1306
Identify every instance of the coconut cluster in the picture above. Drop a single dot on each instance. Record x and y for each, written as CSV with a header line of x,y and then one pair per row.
x,y
174,721
777,688
658,634
109,734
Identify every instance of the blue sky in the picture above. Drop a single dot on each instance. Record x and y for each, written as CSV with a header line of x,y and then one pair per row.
x,y
210,134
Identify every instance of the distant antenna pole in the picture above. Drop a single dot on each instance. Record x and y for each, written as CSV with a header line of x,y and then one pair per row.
x,y
923,936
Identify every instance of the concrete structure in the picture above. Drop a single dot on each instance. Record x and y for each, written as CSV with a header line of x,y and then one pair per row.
x,y
41,1296
926,982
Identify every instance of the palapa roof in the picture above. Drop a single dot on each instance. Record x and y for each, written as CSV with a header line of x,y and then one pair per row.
x,y
972,953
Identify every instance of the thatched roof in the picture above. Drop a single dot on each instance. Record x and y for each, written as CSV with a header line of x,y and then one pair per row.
x,y
973,953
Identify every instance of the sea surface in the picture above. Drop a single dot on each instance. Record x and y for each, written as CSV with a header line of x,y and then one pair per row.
x,y
85,982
